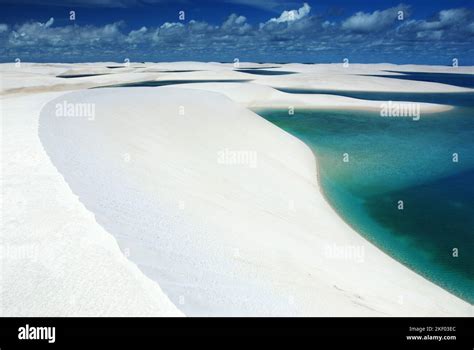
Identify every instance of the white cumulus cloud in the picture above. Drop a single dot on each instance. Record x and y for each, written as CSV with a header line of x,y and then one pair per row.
x,y
363,22
235,23
292,15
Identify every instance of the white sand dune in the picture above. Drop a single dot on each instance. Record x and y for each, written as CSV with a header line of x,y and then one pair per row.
x,y
155,171
254,95
55,260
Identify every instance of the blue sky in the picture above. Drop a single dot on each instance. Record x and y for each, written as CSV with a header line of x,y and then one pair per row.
x,y
430,32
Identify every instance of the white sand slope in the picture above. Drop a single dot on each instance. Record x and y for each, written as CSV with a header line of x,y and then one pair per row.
x,y
255,96
223,238
207,200
54,258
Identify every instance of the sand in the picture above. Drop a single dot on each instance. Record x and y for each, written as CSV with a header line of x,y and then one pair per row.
x,y
55,259
181,200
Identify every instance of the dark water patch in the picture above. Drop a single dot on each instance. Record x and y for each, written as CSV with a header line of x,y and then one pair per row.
x,y
149,83
80,75
172,71
455,98
115,67
456,79
265,72
252,68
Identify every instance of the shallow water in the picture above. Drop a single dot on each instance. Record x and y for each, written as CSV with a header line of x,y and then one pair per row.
x,y
392,159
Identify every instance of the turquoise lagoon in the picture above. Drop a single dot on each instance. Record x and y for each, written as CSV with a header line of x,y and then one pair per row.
x,y
398,158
